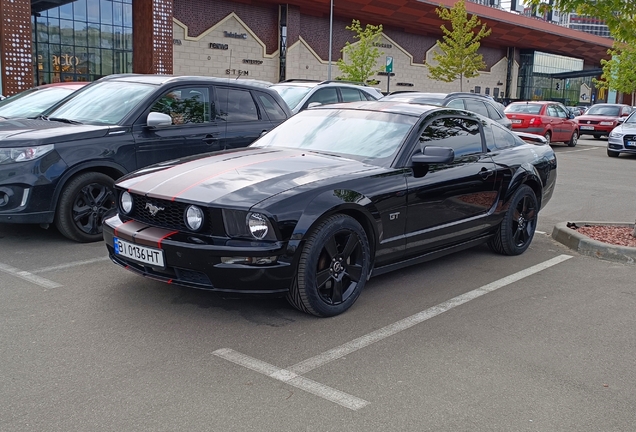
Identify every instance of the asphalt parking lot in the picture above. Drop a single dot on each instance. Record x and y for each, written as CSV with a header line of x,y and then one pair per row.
x,y
471,342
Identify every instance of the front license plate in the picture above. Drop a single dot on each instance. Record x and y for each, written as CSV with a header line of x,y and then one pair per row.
x,y
516,121
630,143
146,255
587,127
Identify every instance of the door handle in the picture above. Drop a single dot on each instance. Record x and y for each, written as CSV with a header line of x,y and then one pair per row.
x,y
485,173
211,139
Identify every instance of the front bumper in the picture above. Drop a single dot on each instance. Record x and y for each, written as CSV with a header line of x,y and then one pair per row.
x,y
620,145
194,263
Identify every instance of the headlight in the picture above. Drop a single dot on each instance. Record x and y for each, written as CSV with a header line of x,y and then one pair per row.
x,y
606,123
258,225
22,154
126,202
194,218
615,134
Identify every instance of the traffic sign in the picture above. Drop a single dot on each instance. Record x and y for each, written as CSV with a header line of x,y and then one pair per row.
x,y
389,64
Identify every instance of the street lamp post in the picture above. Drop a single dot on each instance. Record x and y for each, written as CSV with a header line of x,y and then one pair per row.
x,y
330,38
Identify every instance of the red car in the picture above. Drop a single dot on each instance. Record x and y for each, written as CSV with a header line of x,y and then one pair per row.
x,y
601,118
550,119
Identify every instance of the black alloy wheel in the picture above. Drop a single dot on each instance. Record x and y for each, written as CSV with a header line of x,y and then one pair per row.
x,y
84,204
519,223
333,268
611,153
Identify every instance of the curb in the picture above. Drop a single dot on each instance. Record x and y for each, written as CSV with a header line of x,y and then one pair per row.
x,y
587,246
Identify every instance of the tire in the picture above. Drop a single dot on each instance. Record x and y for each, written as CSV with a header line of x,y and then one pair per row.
x,y
548,136
598,137
611,153
516,230
333,268
574,139
84,203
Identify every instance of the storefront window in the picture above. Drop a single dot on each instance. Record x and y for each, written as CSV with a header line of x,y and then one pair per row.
x,y
82,41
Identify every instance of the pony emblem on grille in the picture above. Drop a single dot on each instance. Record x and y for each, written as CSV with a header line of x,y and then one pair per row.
x,y
153,209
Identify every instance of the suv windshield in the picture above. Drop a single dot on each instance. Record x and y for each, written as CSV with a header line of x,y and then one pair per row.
x,y
32,102
371,136
292,95
604,110
106,102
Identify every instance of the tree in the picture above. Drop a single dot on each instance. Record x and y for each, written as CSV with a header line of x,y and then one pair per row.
x,y
619,73
459,58
619,15
362,56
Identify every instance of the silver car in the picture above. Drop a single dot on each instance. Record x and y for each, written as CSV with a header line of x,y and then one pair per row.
x,y
300,94
622,139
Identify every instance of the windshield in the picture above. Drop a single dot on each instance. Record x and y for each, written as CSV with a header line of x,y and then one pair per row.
x,y
106,102
604,110
631,119
371,136
33,102
292,95
524,108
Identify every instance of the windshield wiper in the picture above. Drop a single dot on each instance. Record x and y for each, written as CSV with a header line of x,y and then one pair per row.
x,y
63,120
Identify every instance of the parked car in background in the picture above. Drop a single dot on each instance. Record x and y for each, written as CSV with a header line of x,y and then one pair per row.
x,y
600,119
550,119
577,111
61,168
33,102
299,94
329,198
477,103
622,139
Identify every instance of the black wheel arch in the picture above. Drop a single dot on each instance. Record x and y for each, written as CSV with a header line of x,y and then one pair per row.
x,y
111,169
526,174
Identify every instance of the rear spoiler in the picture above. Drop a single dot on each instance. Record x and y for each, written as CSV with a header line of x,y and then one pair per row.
x,y
532,138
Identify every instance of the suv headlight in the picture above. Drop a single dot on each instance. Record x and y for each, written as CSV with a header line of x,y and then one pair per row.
x,y
22,154
615,134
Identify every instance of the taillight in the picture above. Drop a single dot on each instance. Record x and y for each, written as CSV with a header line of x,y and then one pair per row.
x,y
535,121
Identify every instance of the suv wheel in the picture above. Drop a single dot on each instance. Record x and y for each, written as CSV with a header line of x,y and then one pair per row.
x,y
84,204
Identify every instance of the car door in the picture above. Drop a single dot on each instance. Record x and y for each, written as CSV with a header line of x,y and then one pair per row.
x,y
566,125
349,94
556,122
193,129
447,203
240,116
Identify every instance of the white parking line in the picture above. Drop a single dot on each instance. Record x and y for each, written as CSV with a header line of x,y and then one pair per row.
x,y
310,386
292,375
29,276
576,151
68,265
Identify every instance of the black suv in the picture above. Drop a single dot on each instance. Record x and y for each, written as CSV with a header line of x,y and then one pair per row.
x,y
475,102
61,166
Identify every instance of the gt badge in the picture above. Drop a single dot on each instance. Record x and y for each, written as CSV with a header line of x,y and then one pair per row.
x,y
394,216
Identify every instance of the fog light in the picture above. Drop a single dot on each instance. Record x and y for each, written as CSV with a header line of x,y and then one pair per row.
x,y
250,260
4,199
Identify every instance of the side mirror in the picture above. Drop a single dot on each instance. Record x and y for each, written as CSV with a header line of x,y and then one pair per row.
x,y
156,119
621,120
571,115
314,104
433,154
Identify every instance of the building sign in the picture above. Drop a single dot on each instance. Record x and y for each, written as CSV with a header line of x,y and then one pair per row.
x,y
65,60
219,46
386,73
585,93
382,45
235,35
404,84
236,72
254,62
176,41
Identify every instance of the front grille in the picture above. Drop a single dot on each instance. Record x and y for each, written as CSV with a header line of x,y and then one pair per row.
x,y
169,216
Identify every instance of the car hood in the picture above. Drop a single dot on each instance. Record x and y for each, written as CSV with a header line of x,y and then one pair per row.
x,y
626,128
240,178
20,132
598,118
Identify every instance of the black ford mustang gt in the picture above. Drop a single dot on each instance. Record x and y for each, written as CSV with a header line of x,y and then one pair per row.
x,y
329,198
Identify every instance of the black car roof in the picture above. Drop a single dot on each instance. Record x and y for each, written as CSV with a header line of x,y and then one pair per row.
x,y
163,79
394,107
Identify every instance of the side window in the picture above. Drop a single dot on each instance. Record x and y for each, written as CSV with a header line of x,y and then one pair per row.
x,y
236,105
462,135
273,110
476,106
503,137
456,103
351,94
492,112
552,112
324,96
185,105
561,112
